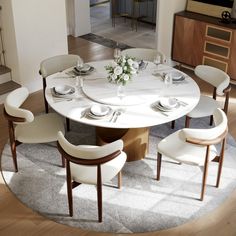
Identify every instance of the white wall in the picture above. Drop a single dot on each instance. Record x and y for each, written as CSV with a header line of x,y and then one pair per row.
x,y
9,40
78,17
165,20
70,14
35,30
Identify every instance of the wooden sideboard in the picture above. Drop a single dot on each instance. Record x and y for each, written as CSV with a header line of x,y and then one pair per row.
x,y
200,39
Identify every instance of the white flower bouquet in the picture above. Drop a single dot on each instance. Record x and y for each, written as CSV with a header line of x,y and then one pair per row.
x,y
122,70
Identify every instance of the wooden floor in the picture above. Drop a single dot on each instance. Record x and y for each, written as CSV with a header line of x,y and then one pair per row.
x,y
17,219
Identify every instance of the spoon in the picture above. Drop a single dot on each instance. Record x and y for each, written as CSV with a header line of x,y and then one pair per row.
x,y
118,113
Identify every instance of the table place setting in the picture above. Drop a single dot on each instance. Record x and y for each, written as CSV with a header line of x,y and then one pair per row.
x,y
177,77
63,92
98,112
102,112
167,104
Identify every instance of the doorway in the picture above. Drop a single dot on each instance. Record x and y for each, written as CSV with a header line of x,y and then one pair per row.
x,y
122,31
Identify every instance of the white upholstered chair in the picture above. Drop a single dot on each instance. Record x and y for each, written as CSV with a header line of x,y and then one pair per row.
x,y
196,147
91,165
54,65
24,127
146,54
206,105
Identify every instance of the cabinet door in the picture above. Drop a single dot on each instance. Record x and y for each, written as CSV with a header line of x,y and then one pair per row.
x,y
232,61
188,41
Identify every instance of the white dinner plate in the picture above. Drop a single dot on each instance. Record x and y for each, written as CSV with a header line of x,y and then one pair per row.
x,y
64,89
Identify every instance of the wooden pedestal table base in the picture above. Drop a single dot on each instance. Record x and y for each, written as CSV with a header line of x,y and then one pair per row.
x,y
135,140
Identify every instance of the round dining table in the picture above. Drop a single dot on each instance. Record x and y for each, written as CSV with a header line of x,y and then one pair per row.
x,y
131,115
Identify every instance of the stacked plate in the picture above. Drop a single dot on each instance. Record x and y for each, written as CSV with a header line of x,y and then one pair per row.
x,y
166,104
176,76
62,90
98,111
85,70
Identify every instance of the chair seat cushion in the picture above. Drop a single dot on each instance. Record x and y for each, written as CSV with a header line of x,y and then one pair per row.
x,y
42,129
205,107
175,147
88,174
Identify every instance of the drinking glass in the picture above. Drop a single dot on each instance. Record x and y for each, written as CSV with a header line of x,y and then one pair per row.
x,y
168,82
80,64
157,60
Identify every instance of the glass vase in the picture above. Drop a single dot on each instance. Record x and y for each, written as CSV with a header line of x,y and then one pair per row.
x,y
120,91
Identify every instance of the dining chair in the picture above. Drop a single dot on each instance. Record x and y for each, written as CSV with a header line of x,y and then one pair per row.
x,y
206,105
146,54
54,65
91,165
196,147
24,127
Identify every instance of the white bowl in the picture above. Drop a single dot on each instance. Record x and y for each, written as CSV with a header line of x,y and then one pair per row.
x,y
168,103
176,75
85,68
63,89
99,110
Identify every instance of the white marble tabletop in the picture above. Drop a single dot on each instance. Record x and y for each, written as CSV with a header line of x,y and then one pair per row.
x,y
146,88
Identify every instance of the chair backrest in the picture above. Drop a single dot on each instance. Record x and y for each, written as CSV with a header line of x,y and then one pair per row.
x,y
213,76
14,100
58,63
221,127
146,54
87,152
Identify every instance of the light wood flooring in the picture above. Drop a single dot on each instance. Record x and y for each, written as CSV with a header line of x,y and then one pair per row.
x,y
17,219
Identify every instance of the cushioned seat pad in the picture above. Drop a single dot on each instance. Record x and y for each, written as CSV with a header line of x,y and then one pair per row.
x,y
88,174
43,129
205,107
175,147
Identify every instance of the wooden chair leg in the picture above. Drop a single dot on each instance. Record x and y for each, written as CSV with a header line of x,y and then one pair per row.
x,y
63,163
159,157
69,188
119,180
67,124
220,163
187,121
204,177
99,193
211,120
13,152
44,96
172,124
13,144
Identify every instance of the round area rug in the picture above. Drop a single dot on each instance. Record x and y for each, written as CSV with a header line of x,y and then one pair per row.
x,y
141,205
